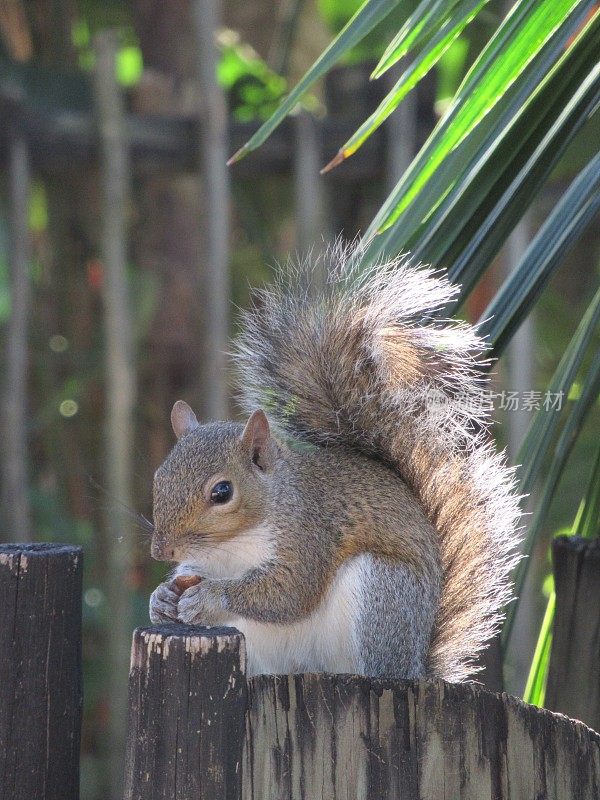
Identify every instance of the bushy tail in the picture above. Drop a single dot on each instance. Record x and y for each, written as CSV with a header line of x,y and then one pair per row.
x,y
367,362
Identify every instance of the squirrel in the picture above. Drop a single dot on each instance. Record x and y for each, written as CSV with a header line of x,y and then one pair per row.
x,y
361,521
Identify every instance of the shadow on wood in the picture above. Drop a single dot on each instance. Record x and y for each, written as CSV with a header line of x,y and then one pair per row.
x,y
198,730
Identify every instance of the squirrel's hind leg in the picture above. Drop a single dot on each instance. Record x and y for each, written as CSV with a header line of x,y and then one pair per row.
x,y
396,620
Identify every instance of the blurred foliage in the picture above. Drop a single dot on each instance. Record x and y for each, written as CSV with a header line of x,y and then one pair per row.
x,y
337,14
254,90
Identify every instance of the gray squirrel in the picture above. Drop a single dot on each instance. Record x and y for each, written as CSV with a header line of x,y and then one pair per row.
x,y
361,520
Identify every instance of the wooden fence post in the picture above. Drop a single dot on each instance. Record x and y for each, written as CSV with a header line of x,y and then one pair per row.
x,y
339,736
187,705
40,671
574,672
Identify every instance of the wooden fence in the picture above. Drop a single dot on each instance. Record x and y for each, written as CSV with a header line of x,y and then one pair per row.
x,y
199,730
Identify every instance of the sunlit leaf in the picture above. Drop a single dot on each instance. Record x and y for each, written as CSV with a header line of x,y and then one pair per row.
x,y
535,33
535,688
419,67
370,14
428,16
452,206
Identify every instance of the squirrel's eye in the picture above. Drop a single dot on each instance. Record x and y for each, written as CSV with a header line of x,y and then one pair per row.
x,y
221,492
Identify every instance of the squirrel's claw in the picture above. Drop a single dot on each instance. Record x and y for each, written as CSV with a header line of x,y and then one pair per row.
x,y
201,605
163,604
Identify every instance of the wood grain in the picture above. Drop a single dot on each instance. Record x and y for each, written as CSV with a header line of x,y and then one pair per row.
x,y
40,671
200,730
324,737
187,701
574,672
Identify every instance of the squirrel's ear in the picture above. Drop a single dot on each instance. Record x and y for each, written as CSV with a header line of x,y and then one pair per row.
x,y
183,419
256,438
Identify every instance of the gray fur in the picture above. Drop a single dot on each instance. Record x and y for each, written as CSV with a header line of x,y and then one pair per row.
x,y
356,365
398,614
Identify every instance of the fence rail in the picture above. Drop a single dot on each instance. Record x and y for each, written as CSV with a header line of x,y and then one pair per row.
x,y
199,730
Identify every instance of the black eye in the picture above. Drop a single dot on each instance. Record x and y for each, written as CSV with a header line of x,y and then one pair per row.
x,y
221,492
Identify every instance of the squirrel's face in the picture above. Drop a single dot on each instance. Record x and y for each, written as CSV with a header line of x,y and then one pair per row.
x,y
212,486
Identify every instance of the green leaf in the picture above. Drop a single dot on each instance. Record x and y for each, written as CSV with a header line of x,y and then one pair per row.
x,y
541,431
562,451
545,422
475,219
420,66
429,15
501,72
486,89
535,688
485,204
561,230
588,523
370,14
512,131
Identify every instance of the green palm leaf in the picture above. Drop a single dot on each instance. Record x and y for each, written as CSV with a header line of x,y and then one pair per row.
x,y
562,451
368,16
552,70
487,83
431,53
563,227
535,688
545,423
427,17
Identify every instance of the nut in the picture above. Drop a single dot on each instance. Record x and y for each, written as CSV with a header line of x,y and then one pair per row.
x,y
183,582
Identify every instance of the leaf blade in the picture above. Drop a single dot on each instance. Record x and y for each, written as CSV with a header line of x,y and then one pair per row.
x,y
419,67
420,173
429,15
560,231
370,14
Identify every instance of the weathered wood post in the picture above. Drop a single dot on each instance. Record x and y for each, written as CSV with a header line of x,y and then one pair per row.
x,y
574,672
339,736
40,671
187,706
200,731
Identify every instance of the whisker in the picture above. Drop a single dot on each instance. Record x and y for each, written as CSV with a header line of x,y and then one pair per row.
x,y
137,517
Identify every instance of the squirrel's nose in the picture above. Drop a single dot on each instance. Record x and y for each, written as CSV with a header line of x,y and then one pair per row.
x,y
161,550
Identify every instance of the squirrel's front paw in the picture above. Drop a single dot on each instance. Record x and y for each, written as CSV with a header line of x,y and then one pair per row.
x,y
202,604
163,603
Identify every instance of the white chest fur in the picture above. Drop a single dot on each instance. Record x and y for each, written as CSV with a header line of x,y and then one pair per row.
x,y
323,642
231,558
